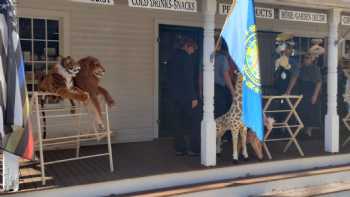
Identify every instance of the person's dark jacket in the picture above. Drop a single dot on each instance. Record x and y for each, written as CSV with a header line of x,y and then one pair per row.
x,y
180,77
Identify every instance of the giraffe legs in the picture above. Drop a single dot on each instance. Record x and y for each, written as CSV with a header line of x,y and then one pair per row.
x,y
235,146
244,142
235,141
218,144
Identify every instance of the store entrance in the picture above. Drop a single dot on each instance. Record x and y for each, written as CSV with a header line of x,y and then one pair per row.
x,y
169,39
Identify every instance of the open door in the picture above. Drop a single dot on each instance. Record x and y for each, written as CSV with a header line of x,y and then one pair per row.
x,y
169,39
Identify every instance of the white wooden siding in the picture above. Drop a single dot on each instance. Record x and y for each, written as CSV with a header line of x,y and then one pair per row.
x,y
123,39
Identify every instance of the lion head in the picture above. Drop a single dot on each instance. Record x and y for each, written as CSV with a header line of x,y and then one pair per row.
x,y
93,66
70,65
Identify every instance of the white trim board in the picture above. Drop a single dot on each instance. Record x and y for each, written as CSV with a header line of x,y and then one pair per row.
x,y
193,177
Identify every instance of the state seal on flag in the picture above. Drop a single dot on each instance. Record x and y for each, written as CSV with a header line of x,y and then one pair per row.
x,y
251,61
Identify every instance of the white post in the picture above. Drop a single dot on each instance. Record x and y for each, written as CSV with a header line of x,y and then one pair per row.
x,y
208,132
332,118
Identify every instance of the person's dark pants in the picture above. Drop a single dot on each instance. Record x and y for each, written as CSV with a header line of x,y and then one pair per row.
x,y
222,103
186,122
222,100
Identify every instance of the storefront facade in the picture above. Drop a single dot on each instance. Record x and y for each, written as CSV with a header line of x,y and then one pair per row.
x,y
133,38
125,38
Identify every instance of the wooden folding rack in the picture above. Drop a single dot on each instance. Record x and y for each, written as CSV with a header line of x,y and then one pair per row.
x,y
57,113
291,121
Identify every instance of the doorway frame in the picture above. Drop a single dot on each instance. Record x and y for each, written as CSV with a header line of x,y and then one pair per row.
x,y
157,23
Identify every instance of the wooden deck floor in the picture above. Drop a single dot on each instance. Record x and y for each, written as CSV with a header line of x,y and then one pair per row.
x,y
138,160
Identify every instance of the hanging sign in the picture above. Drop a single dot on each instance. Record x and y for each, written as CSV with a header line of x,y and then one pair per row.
x,y
173,5
345,20
267,13
102,2
309,17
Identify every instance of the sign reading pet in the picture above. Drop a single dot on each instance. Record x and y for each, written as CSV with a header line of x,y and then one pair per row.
x,y
260,12
102,2
310,17
174,5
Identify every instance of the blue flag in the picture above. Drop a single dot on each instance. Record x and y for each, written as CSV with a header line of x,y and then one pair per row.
x,y
239,33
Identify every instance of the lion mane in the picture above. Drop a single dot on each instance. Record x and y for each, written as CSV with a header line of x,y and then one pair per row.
x,y
88,79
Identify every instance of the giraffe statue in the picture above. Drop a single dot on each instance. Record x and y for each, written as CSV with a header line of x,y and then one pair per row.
x,y
231,120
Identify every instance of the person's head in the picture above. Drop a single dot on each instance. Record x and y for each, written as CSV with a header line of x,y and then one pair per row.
x,y
307,59
289,50
221,46
189,45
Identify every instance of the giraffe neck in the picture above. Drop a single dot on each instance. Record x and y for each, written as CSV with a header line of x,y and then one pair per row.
x,y
237,100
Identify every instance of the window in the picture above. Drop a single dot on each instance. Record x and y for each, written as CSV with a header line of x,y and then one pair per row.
x,y
40,41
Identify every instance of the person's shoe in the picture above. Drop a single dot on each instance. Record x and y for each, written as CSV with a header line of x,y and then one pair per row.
x,y
193,154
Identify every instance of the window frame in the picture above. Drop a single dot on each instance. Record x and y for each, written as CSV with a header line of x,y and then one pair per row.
x,y
63,19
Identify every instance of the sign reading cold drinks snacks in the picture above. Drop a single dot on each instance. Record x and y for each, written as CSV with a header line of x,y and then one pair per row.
x,y
102,2
310,17
174,5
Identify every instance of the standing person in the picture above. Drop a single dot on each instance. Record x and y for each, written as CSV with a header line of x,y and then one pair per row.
x,y
285,70
224,90
309,83
286,65
184,99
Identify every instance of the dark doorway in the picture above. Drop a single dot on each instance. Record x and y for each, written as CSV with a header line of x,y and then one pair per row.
x,y
169,39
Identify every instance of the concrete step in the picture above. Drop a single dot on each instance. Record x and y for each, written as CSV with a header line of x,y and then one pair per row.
x,y
326,181
333,189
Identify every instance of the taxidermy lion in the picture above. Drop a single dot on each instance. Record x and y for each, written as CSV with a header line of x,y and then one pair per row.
x,y
59,80
88,80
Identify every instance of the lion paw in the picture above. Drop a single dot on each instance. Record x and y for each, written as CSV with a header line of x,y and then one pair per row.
x,y
101,127
85,96
110,102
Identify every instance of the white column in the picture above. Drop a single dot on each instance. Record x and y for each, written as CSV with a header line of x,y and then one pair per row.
x,y
10,165
208,132
332,118
10,172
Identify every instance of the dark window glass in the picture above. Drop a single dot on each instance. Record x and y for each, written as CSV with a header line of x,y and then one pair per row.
x,y
29,77
305,44
39,71
52,30
25,28
27,49
52,50
39,28
39,51
28,67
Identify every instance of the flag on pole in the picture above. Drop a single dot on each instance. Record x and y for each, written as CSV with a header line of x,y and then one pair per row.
x,y
239,33
17,136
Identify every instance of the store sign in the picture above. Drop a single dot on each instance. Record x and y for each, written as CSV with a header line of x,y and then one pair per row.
x,y
103,2
309,17
345,20
173,5
267,13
